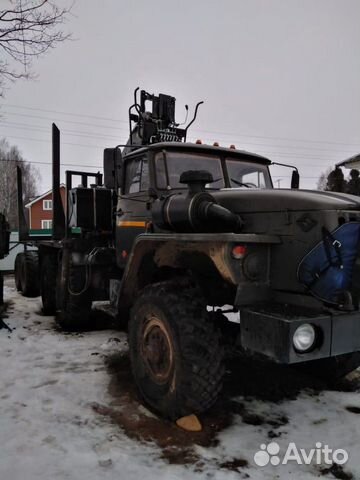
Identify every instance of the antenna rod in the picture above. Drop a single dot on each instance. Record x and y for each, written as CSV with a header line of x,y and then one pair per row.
x,y
194,118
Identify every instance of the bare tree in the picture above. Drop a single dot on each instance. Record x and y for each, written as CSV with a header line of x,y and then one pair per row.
x,y
28,29
336,181
10,158
322,181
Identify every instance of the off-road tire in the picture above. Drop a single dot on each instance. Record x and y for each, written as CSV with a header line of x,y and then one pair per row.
x,y
17,270
333,368
74,308
48,277
29,275
191,380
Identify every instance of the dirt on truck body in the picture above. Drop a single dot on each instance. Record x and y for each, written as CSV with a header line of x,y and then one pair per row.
x,y
174,235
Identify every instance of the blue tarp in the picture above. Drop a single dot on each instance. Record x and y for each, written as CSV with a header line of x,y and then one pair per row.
x,y
328,268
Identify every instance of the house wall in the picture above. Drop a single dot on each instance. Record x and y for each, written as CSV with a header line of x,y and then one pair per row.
x,y
37,213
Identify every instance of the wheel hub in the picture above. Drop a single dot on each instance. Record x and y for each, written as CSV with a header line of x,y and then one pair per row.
x,y
157,350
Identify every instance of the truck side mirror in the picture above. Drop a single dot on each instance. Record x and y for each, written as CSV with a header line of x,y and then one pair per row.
x,y
295,179
112,168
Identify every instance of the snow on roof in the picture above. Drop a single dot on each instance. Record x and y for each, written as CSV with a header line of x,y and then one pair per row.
x,y
355,159
40,197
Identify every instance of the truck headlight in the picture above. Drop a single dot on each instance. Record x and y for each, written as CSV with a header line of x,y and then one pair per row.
x,y
304,338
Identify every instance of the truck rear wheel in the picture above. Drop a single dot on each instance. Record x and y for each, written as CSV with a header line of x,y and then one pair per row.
x,y
48,276
17,270
175,351
29,274
74,299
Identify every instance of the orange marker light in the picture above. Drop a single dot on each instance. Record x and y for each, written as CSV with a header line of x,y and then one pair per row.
x,y
216,144
238,252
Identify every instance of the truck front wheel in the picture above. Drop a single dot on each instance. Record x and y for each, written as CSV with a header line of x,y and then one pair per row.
x,y
175,351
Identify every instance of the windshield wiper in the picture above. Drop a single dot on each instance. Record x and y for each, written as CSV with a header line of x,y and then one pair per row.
x,y
216,180
241,184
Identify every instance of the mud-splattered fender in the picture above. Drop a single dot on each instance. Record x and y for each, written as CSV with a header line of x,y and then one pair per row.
x,y
155,251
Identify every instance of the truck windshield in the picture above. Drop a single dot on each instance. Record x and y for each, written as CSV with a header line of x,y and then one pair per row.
x,y
241,174
247,174
170,165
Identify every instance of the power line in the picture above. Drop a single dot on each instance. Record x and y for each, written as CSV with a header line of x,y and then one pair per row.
x,y
75,133
98,167
101,147
295,147
49,163
49,141
285,139
62,120
303,140
72,114
42,129
294,155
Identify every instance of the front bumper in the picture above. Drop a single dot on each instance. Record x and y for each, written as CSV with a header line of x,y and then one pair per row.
x,y
270,332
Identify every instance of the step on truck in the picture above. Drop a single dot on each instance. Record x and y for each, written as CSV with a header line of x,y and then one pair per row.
x,y
174,235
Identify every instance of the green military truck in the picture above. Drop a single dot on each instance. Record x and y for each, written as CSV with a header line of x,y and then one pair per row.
x,y
173,233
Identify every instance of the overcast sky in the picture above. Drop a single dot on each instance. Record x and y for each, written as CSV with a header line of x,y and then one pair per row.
x,y
278,77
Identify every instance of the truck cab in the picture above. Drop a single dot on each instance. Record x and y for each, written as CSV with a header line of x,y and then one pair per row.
x,y
154,172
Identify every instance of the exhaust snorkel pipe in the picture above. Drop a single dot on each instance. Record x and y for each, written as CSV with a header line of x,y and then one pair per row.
x,y
197,211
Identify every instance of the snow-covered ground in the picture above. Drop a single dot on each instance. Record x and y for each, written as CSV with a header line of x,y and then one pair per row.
x,y
69,410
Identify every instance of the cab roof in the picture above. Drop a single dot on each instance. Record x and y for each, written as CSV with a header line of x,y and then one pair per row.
x,y
195,147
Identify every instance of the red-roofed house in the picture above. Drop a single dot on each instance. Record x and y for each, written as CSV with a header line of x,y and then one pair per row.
x,y
40,210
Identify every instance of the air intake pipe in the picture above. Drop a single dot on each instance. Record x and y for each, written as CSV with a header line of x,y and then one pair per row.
x,y
197,211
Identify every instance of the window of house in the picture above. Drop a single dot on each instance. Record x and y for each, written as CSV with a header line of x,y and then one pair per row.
x,y
47,204
137,175
46,224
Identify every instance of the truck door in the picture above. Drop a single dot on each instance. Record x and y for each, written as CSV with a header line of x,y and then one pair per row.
x,y
132,213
